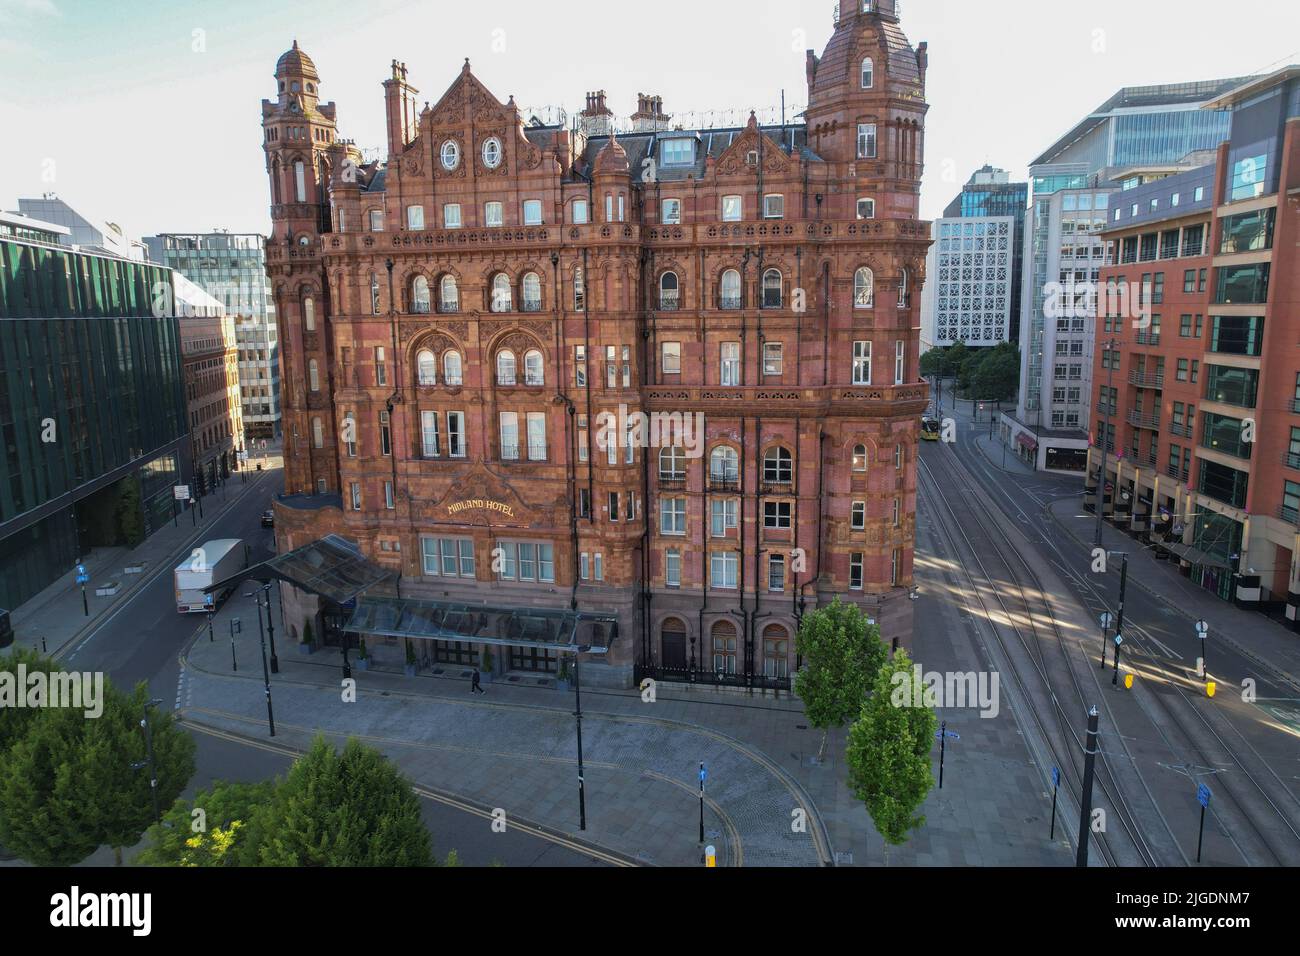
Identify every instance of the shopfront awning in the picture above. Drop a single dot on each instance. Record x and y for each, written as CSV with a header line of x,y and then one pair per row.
x,y
1195,556
332,568
1027,441
556,630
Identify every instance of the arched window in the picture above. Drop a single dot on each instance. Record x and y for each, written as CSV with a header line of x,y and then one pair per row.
x,y
448,295
309,314
868,73
532,292
501,293
778,466
505,367
725,644
670,290
533,368
859,458
772,289
579,290
317,433
904,297
374,293
300,181
672,463
420,294
451,369
724,465
729,293
426,368
864,289
313,375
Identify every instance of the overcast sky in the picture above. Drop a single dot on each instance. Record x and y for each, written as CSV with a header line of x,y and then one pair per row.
x,y
148,112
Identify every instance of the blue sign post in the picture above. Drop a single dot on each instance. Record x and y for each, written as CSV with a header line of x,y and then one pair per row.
x,y
1203,798
83,579
704,775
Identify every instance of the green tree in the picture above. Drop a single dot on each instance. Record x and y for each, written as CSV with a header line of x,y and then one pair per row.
x,y
17,720
842,654
130,517
934,362
213,829
67,786
998,376
954,358
343,809
889,752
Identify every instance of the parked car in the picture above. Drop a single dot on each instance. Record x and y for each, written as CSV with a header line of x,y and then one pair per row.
x,y
268,519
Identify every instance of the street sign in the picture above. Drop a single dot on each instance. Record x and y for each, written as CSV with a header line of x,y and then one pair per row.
x,y
1203,629
940,734
1056,776
1119,639
1203,795
1107,619
704,774
182,492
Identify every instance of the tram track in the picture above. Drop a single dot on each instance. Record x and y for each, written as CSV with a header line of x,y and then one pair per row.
x,y
1029,660
1261,812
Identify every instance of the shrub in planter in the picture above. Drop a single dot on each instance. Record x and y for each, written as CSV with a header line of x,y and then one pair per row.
x,y
308,645
564,677
411,668
486,664
363,661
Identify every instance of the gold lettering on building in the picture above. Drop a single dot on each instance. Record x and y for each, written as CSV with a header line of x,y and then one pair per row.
x,y
481,504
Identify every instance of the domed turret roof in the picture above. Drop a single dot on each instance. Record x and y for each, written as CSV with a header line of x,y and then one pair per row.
x,y
613,158
296,63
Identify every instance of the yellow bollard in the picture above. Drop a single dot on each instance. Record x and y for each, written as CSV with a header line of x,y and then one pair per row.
x,y
710,857
1211,689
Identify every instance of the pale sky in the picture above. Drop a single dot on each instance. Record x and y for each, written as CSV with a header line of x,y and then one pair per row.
x,y
147,112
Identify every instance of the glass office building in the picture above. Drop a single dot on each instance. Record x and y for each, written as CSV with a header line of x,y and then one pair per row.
x,y
92,409
231,268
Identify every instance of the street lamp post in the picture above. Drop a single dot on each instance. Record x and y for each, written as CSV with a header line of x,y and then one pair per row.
x,y
266,674
582,777
1104,439
150,763
1085,804
270,624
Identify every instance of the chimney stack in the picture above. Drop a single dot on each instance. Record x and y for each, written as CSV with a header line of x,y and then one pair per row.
x,y
649,115
597,119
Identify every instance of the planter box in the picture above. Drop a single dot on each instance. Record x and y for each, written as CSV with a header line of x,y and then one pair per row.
x,y
363,663
134,569
107,590
561,684
411,670
306,650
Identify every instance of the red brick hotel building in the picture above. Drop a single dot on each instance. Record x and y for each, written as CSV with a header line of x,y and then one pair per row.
x,y
459,321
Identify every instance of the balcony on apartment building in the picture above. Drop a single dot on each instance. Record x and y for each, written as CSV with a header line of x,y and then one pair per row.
x,y
1141,419
1146,379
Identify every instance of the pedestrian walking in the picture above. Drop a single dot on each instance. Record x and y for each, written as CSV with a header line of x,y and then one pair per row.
x,y
476,685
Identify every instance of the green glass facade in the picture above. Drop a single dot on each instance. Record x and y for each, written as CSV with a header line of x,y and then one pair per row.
x,y
90,394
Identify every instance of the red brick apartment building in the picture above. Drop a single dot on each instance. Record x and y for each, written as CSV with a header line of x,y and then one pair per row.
x,y
210,365
460,321
1200,408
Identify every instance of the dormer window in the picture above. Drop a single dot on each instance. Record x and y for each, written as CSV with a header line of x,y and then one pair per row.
x,y
678,152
